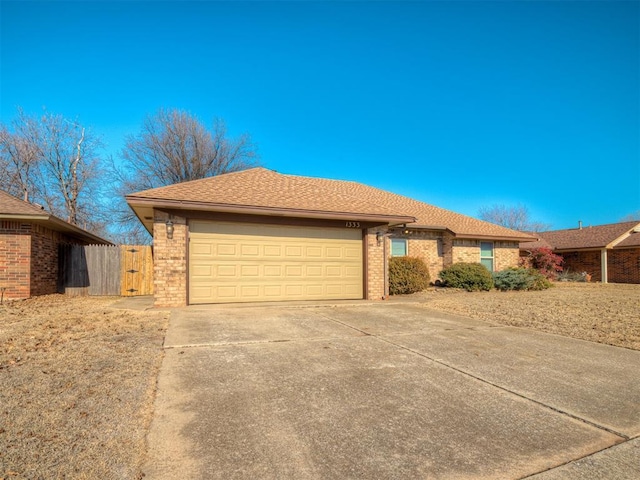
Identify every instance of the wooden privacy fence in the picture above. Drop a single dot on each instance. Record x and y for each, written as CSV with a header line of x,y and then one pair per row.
x,y
125,270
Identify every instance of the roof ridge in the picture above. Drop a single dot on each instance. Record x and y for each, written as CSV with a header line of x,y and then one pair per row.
x,y
577,229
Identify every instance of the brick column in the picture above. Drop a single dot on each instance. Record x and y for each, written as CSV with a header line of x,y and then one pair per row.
x,y
169,261
376,273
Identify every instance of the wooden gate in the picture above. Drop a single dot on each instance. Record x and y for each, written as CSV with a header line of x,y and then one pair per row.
x,y
125,270
136,270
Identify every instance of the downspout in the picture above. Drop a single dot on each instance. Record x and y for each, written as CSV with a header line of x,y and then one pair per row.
x,y
603,266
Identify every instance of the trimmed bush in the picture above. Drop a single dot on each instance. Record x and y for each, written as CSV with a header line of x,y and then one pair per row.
x,y
407,275
472,277
520,279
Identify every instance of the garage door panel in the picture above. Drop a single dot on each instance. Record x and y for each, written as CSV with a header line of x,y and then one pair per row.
x,y
352,272
226,249
293,271
226,271
202,271
293,290
199,249
314,251
293,251
250,270
314,271
272,271
334,271
273,291
246,262
272,250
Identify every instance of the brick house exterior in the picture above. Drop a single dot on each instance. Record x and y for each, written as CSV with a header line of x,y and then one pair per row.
x,y
609,253
259,197
29,242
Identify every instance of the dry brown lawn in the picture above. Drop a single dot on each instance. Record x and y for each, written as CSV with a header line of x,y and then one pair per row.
x,y
77,382
603,313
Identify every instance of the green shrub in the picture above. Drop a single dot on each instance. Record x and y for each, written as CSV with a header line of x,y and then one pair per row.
x,y
520,279
470,276
407,275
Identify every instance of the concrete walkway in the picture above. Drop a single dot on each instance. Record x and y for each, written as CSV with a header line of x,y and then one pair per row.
x,y
386,391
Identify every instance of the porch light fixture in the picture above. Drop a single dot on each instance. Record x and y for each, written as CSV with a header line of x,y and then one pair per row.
x,y
169,225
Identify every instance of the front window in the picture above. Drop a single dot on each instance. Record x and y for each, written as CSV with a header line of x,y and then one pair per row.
x,y
486,255
398,247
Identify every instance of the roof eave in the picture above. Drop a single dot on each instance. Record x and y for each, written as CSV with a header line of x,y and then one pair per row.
x,y
136,202
18,216
494,237
427,227
58,225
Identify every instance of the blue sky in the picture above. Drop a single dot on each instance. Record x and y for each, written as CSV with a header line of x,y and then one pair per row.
x,y
458,104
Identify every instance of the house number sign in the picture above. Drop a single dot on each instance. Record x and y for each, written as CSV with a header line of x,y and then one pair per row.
x,y
353,224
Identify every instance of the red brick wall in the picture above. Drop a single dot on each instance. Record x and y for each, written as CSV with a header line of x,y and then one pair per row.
x,y
589,262
28,259
44,260
15,259
623,266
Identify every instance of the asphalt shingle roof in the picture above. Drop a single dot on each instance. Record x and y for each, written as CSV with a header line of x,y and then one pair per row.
x,y
260,187
15,208
598,236
10,205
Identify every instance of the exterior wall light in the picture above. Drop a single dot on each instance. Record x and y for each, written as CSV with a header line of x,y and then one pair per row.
x,y
169,225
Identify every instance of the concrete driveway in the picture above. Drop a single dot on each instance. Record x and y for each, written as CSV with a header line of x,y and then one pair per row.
x,y
387,391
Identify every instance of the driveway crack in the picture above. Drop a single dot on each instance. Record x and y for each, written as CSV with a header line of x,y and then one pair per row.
x,y
483,380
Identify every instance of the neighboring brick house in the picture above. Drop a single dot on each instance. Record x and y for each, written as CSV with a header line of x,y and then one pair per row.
x,y
29,242
609,253
258,235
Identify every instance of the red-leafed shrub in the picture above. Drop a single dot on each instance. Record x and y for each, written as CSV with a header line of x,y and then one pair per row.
x,y
545,261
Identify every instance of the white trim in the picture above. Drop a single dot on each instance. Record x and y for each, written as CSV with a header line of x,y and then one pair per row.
x,y
603,266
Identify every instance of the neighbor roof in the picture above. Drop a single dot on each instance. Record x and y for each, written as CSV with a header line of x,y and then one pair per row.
x,y
12,208
265,192
599,236
10,205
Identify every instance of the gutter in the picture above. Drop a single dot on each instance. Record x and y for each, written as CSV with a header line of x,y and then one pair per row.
x,y
58,225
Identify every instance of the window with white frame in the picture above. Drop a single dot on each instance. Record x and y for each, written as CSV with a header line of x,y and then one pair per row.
x,y
398,247
486,255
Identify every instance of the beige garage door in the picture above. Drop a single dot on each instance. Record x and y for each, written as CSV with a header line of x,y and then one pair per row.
x,y
237,262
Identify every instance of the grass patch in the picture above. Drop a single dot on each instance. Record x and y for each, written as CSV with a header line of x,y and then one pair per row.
x,y
78,383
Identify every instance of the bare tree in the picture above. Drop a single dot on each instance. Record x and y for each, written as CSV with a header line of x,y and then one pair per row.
x,y
19,160
632,217
516,218
54,161
173,146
